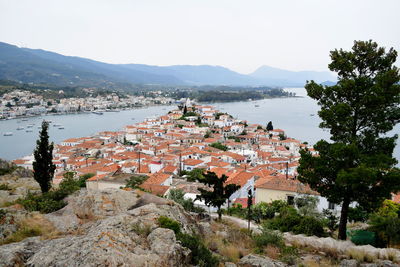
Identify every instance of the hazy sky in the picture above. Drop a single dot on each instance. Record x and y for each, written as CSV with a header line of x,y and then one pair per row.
x,y
238,34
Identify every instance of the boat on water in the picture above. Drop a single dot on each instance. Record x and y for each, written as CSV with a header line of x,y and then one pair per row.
x,y
24,119
56,125
61,127
312,115
29,126
20,128
256,106
29,130
97,112
8,134
133,118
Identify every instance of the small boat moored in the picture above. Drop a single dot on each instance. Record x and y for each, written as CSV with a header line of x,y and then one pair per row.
x,y
8,134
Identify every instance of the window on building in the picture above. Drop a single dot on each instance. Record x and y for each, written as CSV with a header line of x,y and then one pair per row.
x,y
331,206
290,200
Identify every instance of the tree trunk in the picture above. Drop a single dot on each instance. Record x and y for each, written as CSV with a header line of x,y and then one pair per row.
x,y
343,219
219,214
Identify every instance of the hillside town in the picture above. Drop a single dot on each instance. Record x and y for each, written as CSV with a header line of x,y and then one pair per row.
x,y
22,103
191,137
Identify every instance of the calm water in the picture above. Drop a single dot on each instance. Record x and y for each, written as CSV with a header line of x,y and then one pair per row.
x,y
291,114
22,143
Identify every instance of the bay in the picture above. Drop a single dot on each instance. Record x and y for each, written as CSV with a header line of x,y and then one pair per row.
x,y
297,116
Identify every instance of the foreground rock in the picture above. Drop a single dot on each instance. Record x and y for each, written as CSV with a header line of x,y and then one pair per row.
x,y
252,260
113,236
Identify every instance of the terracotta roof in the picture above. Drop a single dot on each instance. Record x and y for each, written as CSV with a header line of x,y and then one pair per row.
x,y
282,184
155,189
192,162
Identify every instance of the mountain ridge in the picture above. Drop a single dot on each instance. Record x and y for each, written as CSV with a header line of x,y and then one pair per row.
x,y
41,66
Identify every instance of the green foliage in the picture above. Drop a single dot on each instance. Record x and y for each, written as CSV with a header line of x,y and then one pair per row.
x,y
307,205
362,237
54,199
359,110
43,166
3,213
22,233
219,146
268,237
83,178
282,136
5,187
310,225
289,220
143,230
8,170
177,196
219,193
331,220
168,223
201,256
386,224
358,214
194,175
135,181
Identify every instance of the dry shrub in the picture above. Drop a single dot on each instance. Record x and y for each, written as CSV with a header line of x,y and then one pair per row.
x,y
272,252
356,254
230,251
30,226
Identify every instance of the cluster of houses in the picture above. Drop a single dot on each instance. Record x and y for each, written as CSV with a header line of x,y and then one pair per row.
x,y
188,138
19,103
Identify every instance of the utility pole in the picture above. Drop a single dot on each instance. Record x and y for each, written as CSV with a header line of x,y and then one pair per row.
x,y
139,162
249,204
180,162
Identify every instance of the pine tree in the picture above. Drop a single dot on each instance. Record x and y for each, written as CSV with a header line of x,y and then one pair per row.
x,y
43,166
220,193
359,110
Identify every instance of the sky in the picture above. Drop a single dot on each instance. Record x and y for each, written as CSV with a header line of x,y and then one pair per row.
x,y
238,34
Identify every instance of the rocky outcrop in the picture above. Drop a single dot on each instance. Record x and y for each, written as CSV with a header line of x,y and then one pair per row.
x,y
85,206
252,260
331,246
114,236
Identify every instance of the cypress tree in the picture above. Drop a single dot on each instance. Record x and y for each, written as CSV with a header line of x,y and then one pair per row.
x,y
43,166
269,126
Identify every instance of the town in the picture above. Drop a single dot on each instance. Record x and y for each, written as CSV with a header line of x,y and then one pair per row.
x,y
191,137
22,103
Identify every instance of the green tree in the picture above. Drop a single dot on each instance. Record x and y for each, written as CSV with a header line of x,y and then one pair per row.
x,y
359,110
43,166
219,146
220,192
269,126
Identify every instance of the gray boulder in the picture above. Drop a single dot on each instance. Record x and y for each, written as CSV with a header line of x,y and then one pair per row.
x,y
252,260
349,263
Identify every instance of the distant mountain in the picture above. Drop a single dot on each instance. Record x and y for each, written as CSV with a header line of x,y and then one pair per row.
x,y
40,66
270,75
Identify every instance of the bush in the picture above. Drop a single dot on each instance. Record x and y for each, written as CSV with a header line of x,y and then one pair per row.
x,y
177,196
83,178
52,200
135,181
290,221
219,146
362,237
310,226
268,237
23,232
4,187
201,256
285,221
168,223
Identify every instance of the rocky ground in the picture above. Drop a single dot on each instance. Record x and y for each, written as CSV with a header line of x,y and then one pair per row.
x,y
115,227
15,183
